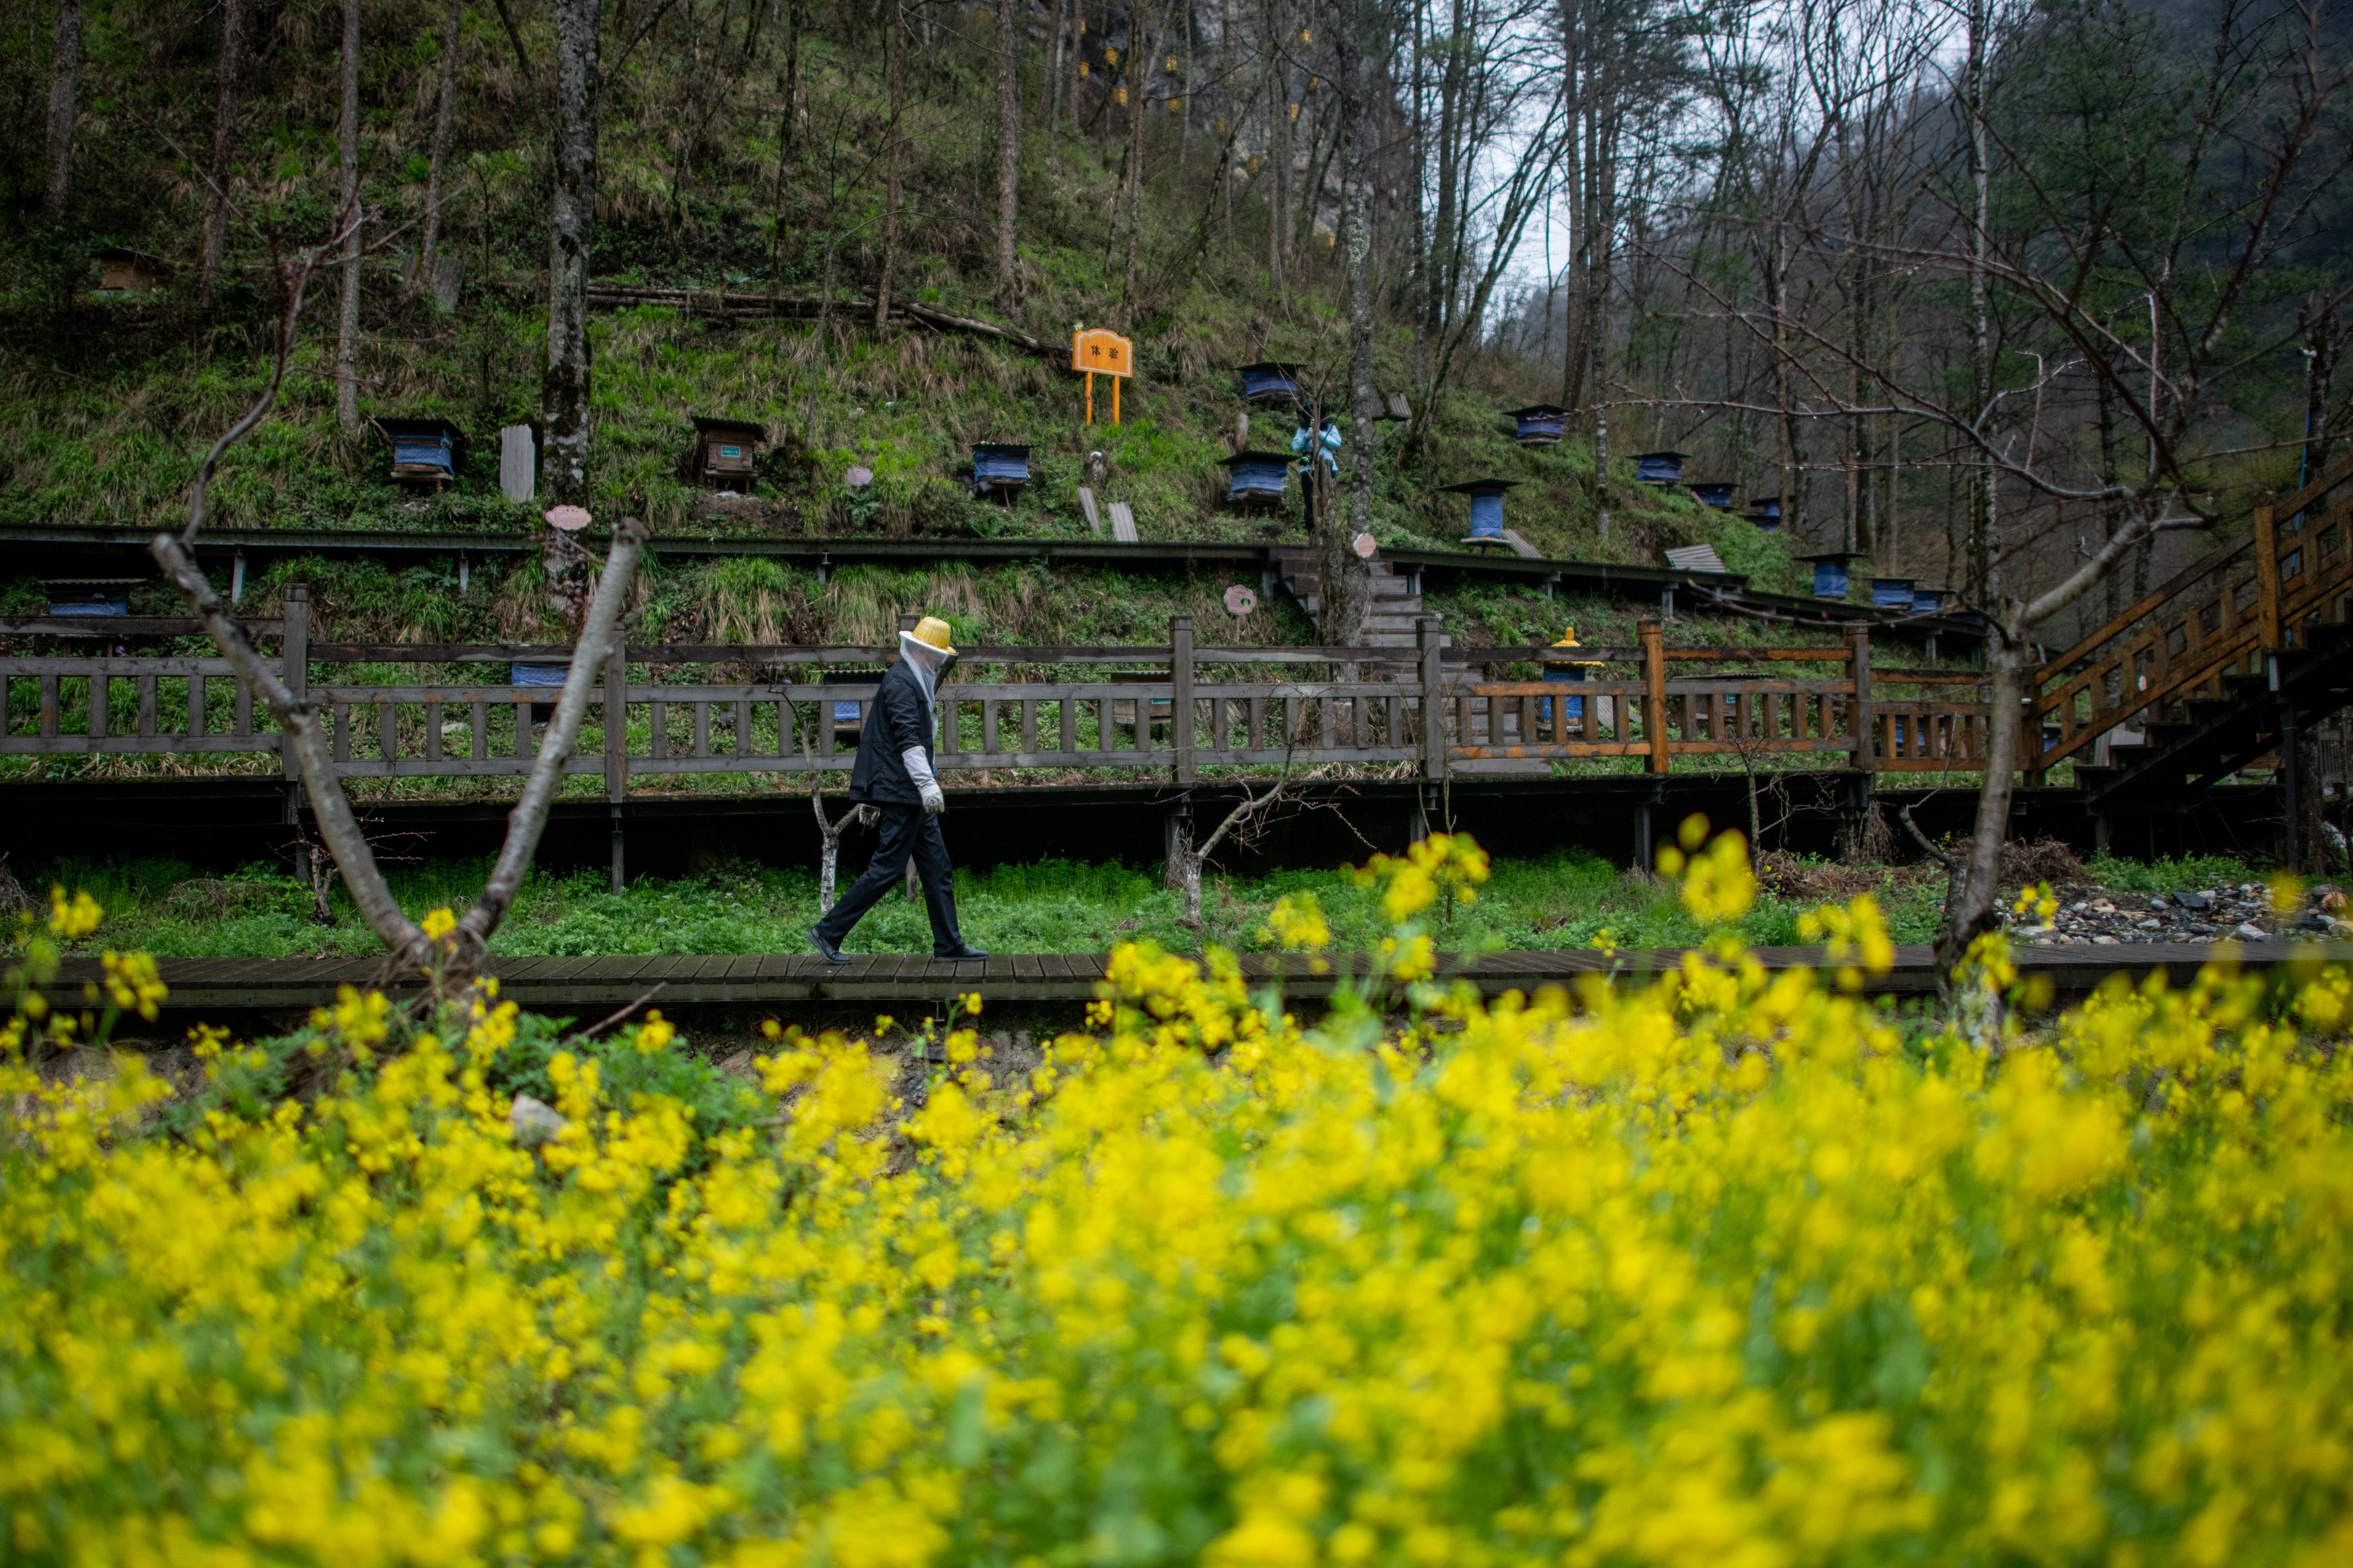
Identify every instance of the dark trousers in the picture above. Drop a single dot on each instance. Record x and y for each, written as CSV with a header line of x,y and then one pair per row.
x,y
905,831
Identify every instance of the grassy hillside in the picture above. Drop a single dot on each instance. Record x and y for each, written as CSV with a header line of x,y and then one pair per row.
x,y
105,405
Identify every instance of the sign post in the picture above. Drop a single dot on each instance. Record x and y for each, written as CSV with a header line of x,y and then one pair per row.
x,y
1101,352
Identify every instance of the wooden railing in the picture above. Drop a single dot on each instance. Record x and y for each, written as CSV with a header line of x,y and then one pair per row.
x,y
1239,707
2218,617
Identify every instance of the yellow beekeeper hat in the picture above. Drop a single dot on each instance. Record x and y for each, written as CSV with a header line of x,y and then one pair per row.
x,y
932,632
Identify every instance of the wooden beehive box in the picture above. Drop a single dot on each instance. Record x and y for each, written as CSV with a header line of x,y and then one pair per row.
x,y
723,452
126,271
424,451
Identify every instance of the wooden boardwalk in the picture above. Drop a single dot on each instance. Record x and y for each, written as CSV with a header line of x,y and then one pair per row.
x,y
776,980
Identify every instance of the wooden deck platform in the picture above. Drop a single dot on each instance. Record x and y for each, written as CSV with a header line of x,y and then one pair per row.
x,y
779,980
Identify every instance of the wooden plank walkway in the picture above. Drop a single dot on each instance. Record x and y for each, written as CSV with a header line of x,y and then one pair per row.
x,y
770,980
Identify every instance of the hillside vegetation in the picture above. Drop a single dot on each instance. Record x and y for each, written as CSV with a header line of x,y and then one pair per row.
x,y
106,404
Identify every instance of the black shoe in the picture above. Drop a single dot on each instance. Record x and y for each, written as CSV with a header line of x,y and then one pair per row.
x,y
826,950
964,951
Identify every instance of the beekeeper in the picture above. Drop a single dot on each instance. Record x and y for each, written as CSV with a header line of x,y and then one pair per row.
x,y
893,775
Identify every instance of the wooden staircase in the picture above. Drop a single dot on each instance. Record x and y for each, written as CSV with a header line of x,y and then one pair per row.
x,y
2206,738
2213,665
1394,622
1396,615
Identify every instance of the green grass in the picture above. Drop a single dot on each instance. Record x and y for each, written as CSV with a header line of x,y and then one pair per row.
x,y
2191,873
1557,902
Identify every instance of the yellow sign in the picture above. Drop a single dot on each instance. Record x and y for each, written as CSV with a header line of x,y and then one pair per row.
x,y
1099,350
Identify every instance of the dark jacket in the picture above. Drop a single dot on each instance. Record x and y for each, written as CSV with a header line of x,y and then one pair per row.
x,y
898,717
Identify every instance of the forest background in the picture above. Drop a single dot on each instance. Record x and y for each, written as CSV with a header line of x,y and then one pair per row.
x,y
1962,286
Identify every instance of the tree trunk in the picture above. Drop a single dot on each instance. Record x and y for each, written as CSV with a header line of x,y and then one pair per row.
x,y
2327,343
232,67
1970,904
1597,315
1793,480
347,138
2313,854
1050,91
1355,605
828,855
1970,909
1978,561
572,221
1139,79
65,68
894,51
1009,153
1278,111
2111,512
432,236
788,88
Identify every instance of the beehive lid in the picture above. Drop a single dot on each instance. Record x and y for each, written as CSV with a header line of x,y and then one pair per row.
x,y
1696,558
1270,378
731,429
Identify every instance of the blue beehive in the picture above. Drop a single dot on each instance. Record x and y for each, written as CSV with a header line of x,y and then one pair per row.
x,y
844,709
1564,665
1928,601
1764,511
1715,494
1255,478
999,468
1486,509
1270,381
89,595
1659,467
520,674
1539,423
424,451
1891,592
1829,573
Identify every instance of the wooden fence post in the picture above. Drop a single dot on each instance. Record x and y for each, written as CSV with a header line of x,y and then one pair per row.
x,y
294,662
1654,671
617,747
1433,698
2267,579
1862,717
1180,695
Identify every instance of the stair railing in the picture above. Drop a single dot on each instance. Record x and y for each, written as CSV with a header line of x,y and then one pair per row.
x,y
2218,617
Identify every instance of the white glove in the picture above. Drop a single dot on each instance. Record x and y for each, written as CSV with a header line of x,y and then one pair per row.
x,y
919,770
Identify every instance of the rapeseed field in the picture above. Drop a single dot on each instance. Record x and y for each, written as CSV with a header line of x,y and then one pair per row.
x,y
1730,1269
